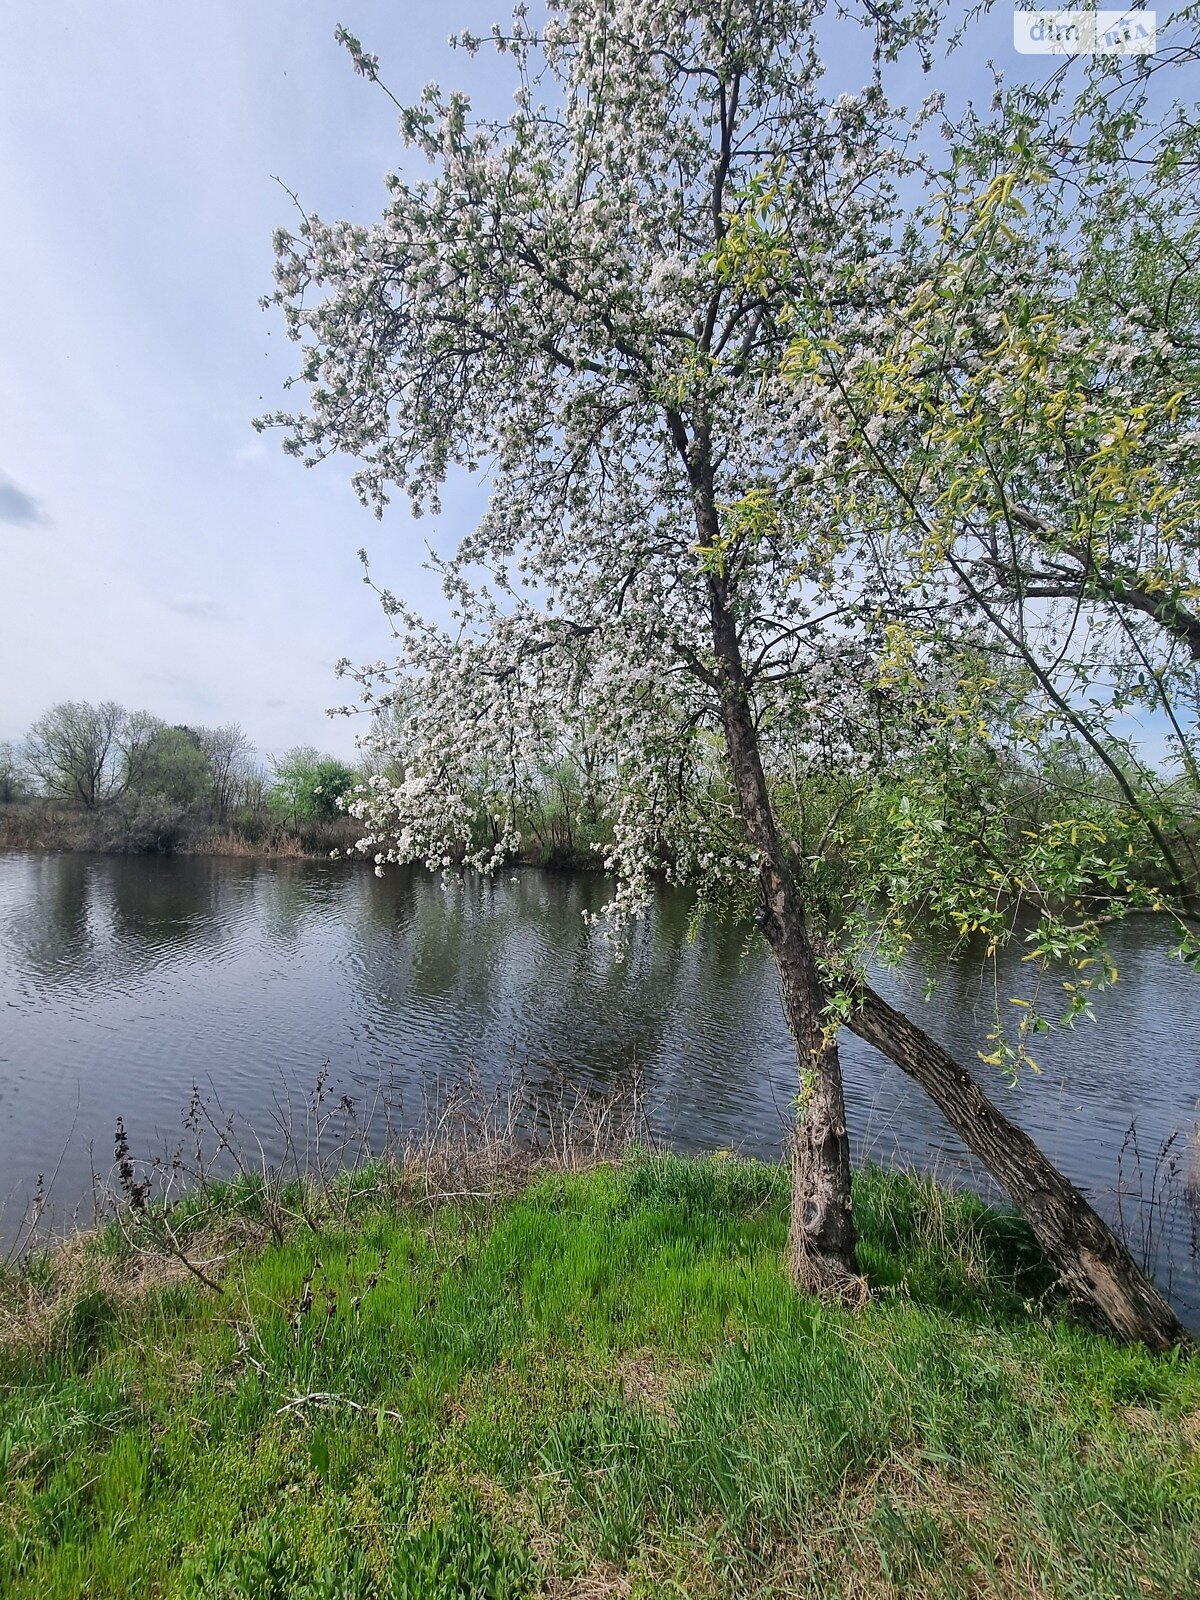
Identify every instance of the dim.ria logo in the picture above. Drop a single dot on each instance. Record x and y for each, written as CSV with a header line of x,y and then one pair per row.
x,y
1074,33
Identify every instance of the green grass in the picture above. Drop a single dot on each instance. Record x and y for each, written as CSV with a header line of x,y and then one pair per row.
x,y
603,1386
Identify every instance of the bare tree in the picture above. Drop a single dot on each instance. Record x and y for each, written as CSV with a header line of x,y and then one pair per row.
x,y
230,764
136,737
74,751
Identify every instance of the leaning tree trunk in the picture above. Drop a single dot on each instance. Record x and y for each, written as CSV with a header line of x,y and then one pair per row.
x,y
823,1240
1092,1261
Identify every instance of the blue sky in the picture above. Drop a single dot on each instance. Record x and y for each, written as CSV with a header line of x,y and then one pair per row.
x,y
154,549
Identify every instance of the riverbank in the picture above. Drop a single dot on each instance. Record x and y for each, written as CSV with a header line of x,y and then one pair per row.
x,y
149,829
599,1384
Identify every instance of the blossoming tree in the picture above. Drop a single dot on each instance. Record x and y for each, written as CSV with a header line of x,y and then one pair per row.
x,y
1018,426
1009,404
657,576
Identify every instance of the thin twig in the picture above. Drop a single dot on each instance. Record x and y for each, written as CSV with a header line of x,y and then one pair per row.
x,y
300,1400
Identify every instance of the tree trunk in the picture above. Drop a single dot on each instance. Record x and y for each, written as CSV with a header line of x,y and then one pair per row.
x,y
1092,1261
822,1246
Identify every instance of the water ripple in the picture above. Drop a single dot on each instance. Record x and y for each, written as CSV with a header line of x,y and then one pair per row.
x,y
123,981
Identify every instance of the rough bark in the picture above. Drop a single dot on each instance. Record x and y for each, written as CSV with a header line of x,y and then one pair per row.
x,y
823,1239
1092,1261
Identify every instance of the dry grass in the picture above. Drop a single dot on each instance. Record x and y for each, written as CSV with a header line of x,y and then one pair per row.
x,y
277,847
602,1582
35,826
649,1378
85,1264
870,1547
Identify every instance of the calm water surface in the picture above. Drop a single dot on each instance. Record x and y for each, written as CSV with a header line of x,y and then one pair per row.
x,y
123,981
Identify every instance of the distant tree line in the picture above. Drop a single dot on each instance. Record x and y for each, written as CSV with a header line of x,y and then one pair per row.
x,y
104,760
128,781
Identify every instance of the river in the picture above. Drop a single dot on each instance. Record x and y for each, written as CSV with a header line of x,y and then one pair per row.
x,y
125,980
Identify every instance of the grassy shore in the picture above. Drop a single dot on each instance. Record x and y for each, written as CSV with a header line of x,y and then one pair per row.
x,y
600,1385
